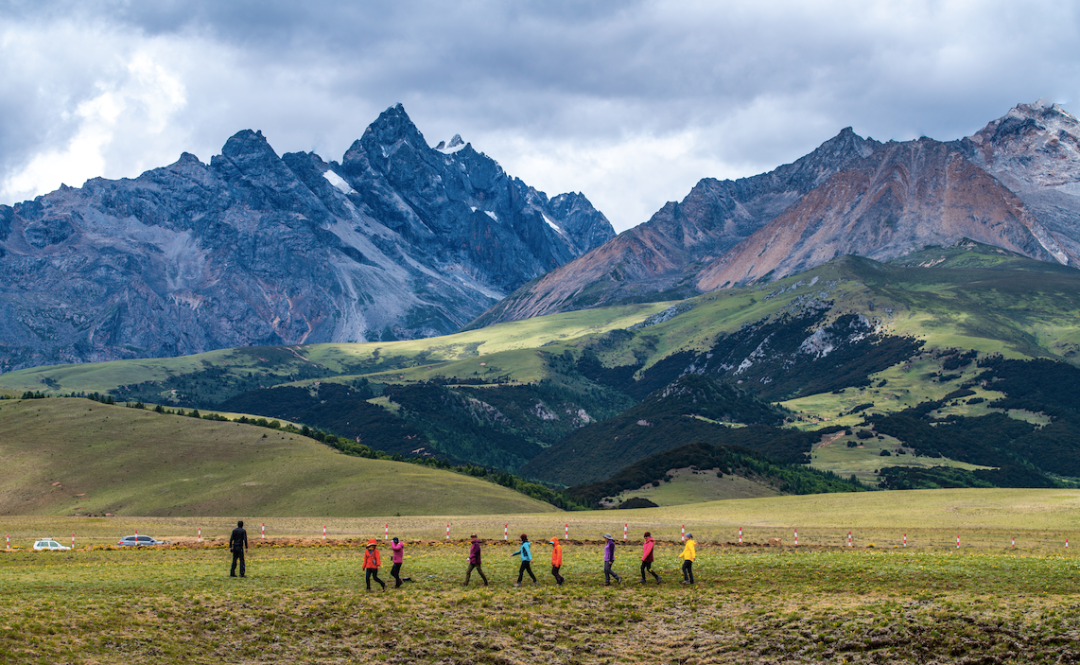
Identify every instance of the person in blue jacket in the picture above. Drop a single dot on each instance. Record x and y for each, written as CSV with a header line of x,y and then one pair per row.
x,y
526,560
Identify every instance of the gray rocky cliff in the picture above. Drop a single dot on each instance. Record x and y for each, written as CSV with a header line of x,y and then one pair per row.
x,y
398,241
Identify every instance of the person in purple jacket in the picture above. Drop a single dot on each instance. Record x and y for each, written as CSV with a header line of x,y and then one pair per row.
x,y
474,561
609,560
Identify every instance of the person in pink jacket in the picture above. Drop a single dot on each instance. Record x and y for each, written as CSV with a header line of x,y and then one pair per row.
x,y
647,558
397,557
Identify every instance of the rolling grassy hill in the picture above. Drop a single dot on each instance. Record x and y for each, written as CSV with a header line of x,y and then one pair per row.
x,y
75,456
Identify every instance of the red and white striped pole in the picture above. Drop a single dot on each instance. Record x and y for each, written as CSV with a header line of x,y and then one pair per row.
x,y
506,531
849,539
566,533
324,532
448,532
957,541
386,533
682,537
264,530
1014,542
796,537
625,531
200,534
73,541
740,535
905,540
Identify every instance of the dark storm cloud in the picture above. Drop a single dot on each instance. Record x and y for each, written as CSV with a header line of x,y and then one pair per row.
x,y
630,103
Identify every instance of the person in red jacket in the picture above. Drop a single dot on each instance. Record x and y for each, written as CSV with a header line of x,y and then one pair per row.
x,y
647,558
556,560
371,564
474,561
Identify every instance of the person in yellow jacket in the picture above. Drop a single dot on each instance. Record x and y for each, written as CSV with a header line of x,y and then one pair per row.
x,y
688,555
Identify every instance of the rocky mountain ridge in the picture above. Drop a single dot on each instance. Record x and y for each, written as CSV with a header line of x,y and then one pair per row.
x,y
1015,184
398,241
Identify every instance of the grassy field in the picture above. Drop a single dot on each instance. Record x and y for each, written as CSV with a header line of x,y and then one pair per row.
x,y
76,456
819,602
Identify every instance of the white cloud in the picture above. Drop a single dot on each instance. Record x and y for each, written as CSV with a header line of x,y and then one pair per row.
x,y
630,104
122,124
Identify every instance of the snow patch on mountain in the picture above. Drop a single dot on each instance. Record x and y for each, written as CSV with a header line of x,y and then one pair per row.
x,y
456,144
338,182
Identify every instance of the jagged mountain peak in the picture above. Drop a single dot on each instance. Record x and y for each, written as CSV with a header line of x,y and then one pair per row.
x,y
847,142
247,142
248,151
393,125
1025,122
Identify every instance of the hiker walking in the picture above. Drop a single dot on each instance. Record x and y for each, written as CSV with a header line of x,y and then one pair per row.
x,y
397,557
647,558
474,561
526,560
237,545
688,555
371,564
556,560
609,561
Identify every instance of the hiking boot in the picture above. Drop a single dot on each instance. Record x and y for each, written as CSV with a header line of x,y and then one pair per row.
x,y
517,584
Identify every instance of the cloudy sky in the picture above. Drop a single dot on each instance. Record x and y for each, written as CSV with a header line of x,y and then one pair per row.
x,y
630,103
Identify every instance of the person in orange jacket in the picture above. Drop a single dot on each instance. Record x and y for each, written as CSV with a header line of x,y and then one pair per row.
x,y
371,564
556,560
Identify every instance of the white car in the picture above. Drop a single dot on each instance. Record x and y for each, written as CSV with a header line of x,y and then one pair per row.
x,y
48,544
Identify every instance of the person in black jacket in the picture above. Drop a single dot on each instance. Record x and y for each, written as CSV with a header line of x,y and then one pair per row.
x,y
237,544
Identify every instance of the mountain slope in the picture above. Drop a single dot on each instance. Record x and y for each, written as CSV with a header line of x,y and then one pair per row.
x,y
74,456
690,409
1015,184
399,241
663,255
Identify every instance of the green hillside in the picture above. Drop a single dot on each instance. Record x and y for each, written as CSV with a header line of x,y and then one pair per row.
x,y
209,378
75,456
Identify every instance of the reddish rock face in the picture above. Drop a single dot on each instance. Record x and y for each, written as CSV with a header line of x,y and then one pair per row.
x,y
1014,184
907,196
